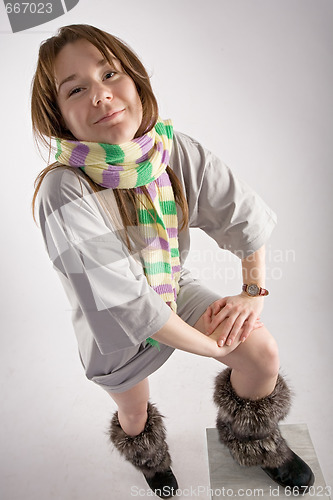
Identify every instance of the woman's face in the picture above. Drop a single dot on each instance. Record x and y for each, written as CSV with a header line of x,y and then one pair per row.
x,y
98,101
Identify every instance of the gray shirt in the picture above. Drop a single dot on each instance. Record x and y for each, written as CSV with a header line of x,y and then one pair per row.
x,y
114,310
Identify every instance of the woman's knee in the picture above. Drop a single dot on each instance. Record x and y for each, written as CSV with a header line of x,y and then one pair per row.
x,y
133,403
258,355
270,358
134,416
265,353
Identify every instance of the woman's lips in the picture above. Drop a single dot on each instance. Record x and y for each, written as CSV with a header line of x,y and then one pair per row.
x,y
109,116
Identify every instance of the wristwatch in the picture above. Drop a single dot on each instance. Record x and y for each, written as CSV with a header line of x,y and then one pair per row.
x,y
254,290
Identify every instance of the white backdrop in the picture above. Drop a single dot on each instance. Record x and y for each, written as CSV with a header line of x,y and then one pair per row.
x,y
251,80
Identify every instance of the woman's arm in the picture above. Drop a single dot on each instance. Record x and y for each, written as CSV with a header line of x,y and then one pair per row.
x,y
240,311
254,268
178,334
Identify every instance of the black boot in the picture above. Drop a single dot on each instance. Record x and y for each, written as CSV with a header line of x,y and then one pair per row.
x,y
148,452
294,473
249,428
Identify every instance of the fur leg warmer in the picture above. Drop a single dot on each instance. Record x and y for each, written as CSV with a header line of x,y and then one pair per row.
x,y
249,428
148,451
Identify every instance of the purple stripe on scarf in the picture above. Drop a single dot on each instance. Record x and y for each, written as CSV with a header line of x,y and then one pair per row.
x,y
151,188
111,178
146,144
159,147
165,157
163,180
172,232
143,158
158,243
160,289
78,156
175,269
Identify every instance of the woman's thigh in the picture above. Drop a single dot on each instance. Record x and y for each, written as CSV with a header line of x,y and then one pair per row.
x,y
134,401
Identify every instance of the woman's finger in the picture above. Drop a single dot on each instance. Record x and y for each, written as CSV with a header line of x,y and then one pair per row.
x,y
218,305
219,318
224,329
258,324
237,326
250,325
224,335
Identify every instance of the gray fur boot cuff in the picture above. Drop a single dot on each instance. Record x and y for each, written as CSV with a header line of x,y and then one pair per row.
x,y
148,451
249,428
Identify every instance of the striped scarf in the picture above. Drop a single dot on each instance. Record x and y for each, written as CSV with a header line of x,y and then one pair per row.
x,y
139,162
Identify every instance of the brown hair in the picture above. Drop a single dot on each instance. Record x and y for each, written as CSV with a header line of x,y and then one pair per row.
x,y
47,121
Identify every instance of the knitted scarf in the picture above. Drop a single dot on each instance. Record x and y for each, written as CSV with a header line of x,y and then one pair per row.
x,y
139,162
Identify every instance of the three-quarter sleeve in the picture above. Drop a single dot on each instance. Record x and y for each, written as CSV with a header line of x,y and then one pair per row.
x,y
104,282
220,204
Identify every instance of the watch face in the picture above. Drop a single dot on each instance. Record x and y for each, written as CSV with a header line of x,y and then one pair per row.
x,y
253,289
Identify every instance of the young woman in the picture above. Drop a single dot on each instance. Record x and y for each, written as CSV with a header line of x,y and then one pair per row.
x,y
115,211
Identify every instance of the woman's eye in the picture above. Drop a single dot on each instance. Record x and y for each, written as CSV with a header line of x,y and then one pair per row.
x,y
75,91
109,74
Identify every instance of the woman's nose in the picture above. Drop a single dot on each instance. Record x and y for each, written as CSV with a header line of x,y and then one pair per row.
x,y
101,93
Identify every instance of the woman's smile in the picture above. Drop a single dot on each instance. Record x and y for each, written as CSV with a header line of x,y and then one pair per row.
x,y
112,115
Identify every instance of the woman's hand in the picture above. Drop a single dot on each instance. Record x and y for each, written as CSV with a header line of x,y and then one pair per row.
x,y
238,314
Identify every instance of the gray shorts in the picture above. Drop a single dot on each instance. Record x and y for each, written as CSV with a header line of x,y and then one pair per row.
x,y
192,301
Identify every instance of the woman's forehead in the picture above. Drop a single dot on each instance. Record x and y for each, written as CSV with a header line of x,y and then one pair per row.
x,y
75,54
85,47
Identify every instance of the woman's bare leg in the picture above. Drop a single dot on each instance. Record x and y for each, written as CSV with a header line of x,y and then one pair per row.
x,y
254,363
132,407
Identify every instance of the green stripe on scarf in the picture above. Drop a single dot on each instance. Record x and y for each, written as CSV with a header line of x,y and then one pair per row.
x,y
158,267
113,152
59,150
145,174
174,252
168,207
149,217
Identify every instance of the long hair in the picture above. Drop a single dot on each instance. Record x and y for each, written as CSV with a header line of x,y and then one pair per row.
x,y
47,121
